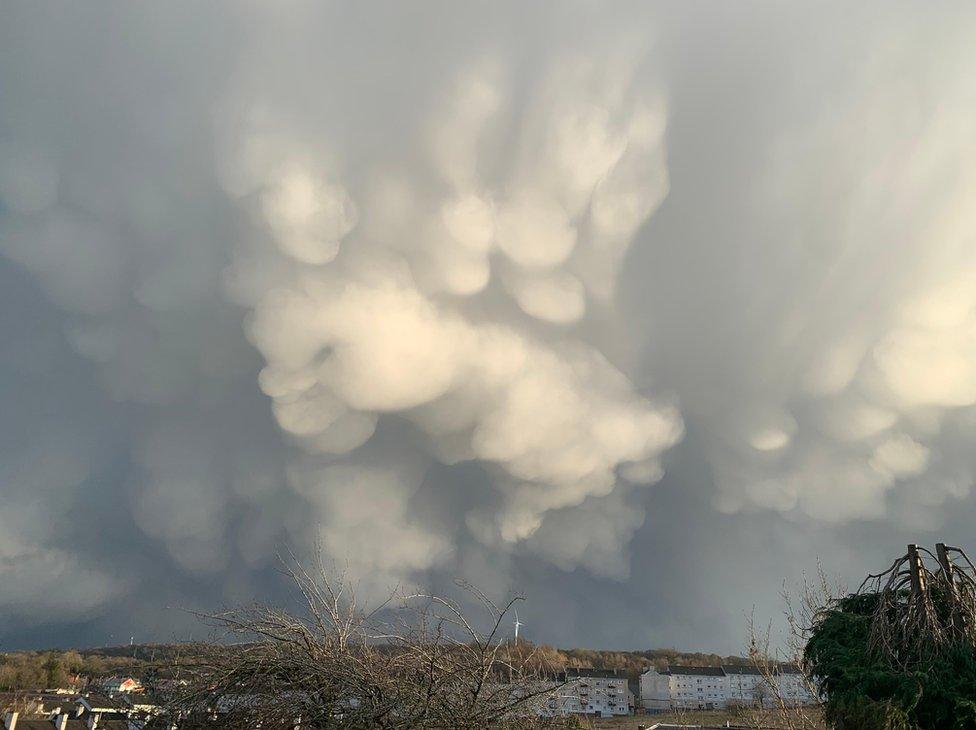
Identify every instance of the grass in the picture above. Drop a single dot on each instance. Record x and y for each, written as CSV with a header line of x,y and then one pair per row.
x,y
766,719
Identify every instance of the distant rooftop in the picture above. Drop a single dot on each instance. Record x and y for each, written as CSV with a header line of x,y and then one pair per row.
x,y
740,669
696,671
727,669
580,672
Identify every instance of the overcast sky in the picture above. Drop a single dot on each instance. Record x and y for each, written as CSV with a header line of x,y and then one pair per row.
x,y
636,309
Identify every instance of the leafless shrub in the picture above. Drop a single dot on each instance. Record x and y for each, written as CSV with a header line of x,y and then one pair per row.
x,y
413,661
799,611
921,610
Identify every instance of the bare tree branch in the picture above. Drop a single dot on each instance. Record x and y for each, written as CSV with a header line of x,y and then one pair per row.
x,y
421,663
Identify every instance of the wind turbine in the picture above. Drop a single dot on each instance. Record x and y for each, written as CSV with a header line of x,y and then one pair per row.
x,y
517,624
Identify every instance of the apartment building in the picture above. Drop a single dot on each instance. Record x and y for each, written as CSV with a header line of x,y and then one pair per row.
x,y
694,687
719,687
599,692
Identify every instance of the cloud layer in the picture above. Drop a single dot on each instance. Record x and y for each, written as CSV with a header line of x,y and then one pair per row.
x,y
447,291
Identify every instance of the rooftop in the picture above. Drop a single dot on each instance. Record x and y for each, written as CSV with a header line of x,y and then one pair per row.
x,y
727,669
581,672
695,671
740,669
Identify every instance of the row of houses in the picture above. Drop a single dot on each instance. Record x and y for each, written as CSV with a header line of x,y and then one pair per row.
x,y
122,704
706,688
118,703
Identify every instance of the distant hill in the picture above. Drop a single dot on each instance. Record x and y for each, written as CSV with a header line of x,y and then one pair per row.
x,y
33,670
640,660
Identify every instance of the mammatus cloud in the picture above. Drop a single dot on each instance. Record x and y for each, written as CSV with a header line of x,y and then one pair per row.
x,y
438,268
868,366
445,302
452,296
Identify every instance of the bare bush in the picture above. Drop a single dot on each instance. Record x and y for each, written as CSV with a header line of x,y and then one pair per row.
x,y
921,610
413,661
800,611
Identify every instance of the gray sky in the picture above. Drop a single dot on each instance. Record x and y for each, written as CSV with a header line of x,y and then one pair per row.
x,y
637,309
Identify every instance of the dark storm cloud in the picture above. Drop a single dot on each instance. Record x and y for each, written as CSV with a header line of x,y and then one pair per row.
x,y
373,278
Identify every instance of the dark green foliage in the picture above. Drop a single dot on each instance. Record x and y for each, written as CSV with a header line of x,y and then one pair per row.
x,y
867,688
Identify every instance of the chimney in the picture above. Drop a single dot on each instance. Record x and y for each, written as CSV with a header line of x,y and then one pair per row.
x,y
61,722
10,720
93,718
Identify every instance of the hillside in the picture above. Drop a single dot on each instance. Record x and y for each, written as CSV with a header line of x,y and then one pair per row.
x,y
33,670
